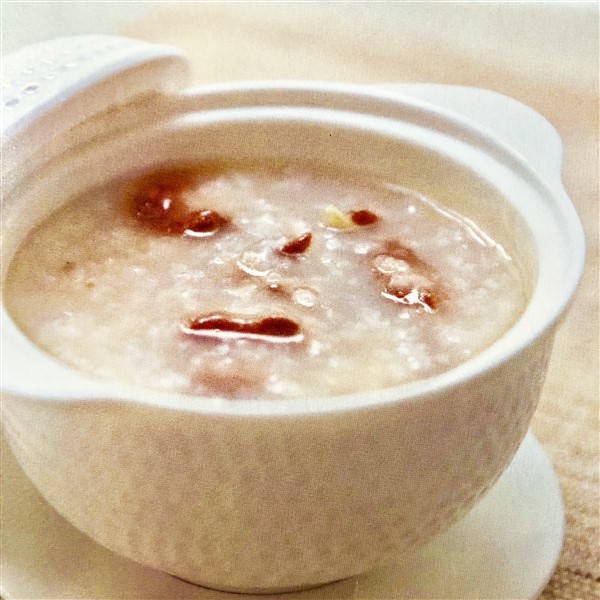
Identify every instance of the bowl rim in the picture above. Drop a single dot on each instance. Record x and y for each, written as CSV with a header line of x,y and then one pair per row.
x,y
483,362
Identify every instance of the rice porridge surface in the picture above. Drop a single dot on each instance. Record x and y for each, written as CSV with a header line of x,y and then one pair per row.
x,y
246,282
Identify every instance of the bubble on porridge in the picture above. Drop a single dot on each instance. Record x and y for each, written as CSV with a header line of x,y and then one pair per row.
x,y
362,248
305,296
247,281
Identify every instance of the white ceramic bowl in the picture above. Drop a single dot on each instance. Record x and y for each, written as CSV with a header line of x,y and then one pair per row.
x,y
254,495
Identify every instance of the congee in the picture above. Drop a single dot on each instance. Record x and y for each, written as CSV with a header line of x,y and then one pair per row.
x,y
248,281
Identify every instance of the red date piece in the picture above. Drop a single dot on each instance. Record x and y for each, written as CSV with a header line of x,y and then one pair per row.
x,y
268,329
417,287
157,198
159,205
298,245
363,217
202,223
416,297
397,250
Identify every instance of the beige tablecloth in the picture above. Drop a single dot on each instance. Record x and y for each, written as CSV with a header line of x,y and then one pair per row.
x,y
545,55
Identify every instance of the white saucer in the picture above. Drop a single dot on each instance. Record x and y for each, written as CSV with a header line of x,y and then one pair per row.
x,y
505,548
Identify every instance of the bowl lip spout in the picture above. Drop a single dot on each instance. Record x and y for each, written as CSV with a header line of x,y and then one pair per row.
x,y
357,100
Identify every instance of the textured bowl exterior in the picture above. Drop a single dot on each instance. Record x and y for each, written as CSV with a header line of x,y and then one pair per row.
x,y
266,503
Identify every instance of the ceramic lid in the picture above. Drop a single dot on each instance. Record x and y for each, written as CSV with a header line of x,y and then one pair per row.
x,y
50,87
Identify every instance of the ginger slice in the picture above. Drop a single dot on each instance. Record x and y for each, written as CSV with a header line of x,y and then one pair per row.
x,y
334,218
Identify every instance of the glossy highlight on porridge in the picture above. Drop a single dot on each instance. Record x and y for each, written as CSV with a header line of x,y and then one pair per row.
x,y
246,281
